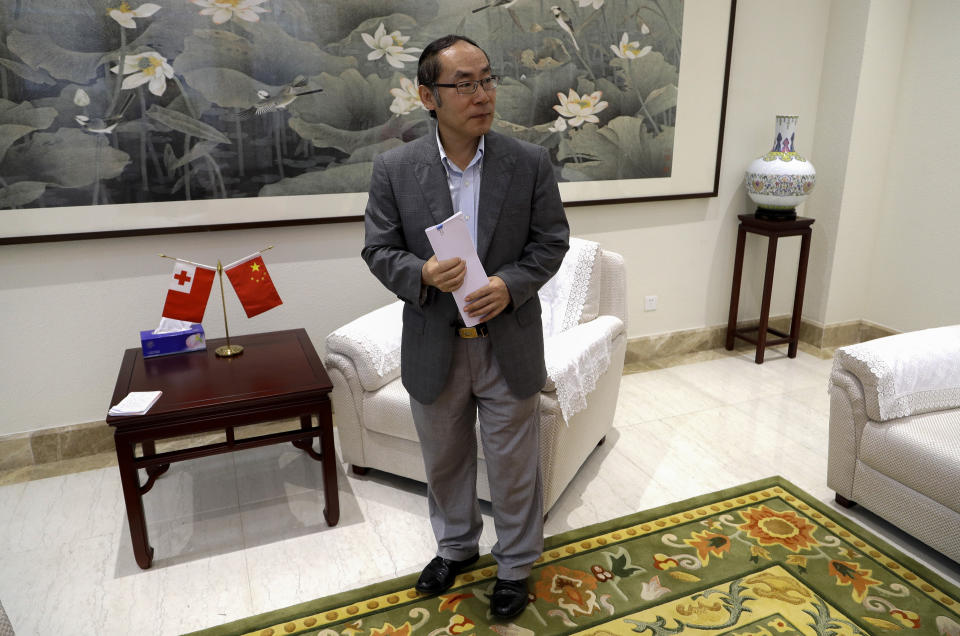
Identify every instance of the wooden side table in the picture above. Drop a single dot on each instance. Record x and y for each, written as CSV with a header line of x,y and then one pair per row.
x,y
773,230
278,376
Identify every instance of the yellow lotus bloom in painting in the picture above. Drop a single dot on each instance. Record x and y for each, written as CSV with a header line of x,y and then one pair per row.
x,y
124,15
389,46
147,67
406,99
223,10
629,50
579,109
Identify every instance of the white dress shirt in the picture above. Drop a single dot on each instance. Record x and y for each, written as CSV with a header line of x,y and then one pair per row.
x,y
464,186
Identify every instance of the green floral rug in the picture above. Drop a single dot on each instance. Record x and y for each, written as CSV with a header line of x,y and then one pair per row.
x,y
764,558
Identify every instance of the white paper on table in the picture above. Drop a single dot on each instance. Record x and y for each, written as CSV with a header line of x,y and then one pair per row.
x,y
451,239
136,403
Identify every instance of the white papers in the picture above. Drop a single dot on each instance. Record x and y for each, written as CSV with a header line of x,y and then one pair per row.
x,y
451,239
136,403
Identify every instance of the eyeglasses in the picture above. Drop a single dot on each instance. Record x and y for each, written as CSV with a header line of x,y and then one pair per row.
x,y
470,87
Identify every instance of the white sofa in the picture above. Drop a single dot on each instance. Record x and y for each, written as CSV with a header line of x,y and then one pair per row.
x,y
584,312
6,629
895,432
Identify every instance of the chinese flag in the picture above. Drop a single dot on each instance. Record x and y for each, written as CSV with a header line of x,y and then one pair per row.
x,y
188,293
252,283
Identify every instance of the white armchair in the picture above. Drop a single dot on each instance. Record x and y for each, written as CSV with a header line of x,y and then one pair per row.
x,y
895,432
584,318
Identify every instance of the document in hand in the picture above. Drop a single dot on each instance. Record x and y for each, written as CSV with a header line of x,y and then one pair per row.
x,y
451,239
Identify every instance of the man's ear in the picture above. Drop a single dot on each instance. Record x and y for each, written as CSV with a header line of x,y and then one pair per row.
x,y
427,97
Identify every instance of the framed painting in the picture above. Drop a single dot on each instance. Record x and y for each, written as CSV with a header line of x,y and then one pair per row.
x,y
123,118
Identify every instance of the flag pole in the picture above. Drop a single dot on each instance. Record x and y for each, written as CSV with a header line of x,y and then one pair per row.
x,y
228,350
182,260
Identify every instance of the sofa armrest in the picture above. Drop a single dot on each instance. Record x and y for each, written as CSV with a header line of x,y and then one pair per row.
x,y
372,344
907,374
576,358
848,418
347,398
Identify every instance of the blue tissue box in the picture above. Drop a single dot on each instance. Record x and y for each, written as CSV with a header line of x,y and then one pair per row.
x,y
164,344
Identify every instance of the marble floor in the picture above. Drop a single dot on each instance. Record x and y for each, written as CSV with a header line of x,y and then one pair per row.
x,y
243,533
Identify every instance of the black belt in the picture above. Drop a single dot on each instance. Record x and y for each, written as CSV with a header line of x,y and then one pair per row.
x,y
480,331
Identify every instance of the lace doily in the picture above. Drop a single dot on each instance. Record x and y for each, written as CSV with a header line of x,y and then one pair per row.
x,y
565,296
907,374
577,358
372,341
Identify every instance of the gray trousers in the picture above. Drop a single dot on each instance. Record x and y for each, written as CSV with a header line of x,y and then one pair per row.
x,y
509,432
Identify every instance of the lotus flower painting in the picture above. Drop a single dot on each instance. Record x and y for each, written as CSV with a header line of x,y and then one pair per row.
x,y
106,102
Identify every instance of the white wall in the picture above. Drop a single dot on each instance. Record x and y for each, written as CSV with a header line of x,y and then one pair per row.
x,y
866,169
844,48
913,282
70,309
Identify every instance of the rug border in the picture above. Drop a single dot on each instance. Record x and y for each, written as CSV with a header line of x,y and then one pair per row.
x,y
316,606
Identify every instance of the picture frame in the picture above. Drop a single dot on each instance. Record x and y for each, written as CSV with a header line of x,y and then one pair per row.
x,y
694,168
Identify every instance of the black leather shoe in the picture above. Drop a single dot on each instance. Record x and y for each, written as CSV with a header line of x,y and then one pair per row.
x,y
440,573
509,598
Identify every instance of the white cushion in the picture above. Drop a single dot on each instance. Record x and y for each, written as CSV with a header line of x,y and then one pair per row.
x,y
907,374
572,296
387,411
372,342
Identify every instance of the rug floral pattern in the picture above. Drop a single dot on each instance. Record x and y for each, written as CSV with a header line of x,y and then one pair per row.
x,y
765,559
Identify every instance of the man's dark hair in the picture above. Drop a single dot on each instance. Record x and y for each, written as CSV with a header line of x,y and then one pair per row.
x,y
428,68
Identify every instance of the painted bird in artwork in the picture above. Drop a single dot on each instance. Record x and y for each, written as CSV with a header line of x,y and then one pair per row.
x,y
565,23
506,4
284,97
105,125
503,4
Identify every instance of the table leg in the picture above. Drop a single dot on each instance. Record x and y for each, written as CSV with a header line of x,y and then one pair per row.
x,y
331,497
150,448
767,293
735,288
133,499
306,423
798,295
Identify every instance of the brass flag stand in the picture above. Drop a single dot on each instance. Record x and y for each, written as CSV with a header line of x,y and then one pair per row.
x,y
228,350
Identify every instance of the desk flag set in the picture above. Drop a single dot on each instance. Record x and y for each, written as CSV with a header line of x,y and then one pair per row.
x,y
188,291
190,285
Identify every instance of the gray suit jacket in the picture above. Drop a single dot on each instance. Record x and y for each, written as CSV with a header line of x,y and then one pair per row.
x,y
522,235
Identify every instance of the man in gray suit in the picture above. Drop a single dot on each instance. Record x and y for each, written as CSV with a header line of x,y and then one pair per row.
x,y
507,191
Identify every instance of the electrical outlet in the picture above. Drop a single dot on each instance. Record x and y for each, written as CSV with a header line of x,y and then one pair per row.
x,y
649,303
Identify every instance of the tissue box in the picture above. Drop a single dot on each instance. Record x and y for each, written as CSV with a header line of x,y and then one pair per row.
x,y
163,344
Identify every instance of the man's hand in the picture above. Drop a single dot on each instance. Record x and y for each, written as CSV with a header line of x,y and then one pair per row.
x,y
447,276
487,302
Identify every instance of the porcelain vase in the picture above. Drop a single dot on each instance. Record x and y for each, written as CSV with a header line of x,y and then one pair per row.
x,y
780,180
